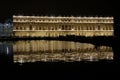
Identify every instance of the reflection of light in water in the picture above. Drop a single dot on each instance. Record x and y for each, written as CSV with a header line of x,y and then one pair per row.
x,y
45,58
21,60
79,59
7,51
91,58
58,51
107,57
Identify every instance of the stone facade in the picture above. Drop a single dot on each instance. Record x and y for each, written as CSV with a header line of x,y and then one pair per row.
x,y
44,26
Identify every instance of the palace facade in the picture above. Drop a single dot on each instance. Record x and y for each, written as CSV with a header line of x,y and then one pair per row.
x,y
45,26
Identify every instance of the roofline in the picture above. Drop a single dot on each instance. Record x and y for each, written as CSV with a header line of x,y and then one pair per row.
x,y
71,17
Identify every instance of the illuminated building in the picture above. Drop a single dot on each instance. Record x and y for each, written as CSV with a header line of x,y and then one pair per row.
x,y
45,26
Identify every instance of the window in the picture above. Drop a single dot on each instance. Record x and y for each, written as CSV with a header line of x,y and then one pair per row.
x,y
39,28
98,27
87,28
55,27
62,27
90,27
69,27
20,28
79,27
66,27
69,20
30,27
16,28
110,28
107,27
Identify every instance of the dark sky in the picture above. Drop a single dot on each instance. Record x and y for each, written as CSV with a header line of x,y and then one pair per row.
x,y
56,8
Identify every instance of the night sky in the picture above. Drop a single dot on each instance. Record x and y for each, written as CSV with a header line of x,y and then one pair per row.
x,y
57,8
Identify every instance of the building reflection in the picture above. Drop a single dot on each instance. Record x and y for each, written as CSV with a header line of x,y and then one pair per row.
x,y
6,52
6,48
53,51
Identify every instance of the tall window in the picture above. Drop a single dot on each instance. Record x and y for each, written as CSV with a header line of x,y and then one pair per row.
x,y
69,27
20,28
78,27
16,28
39,28
30,27
98,27
106,27
66,27
62,27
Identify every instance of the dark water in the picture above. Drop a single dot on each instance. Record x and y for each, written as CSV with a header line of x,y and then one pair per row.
x,y
56,56
6,52
53,51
